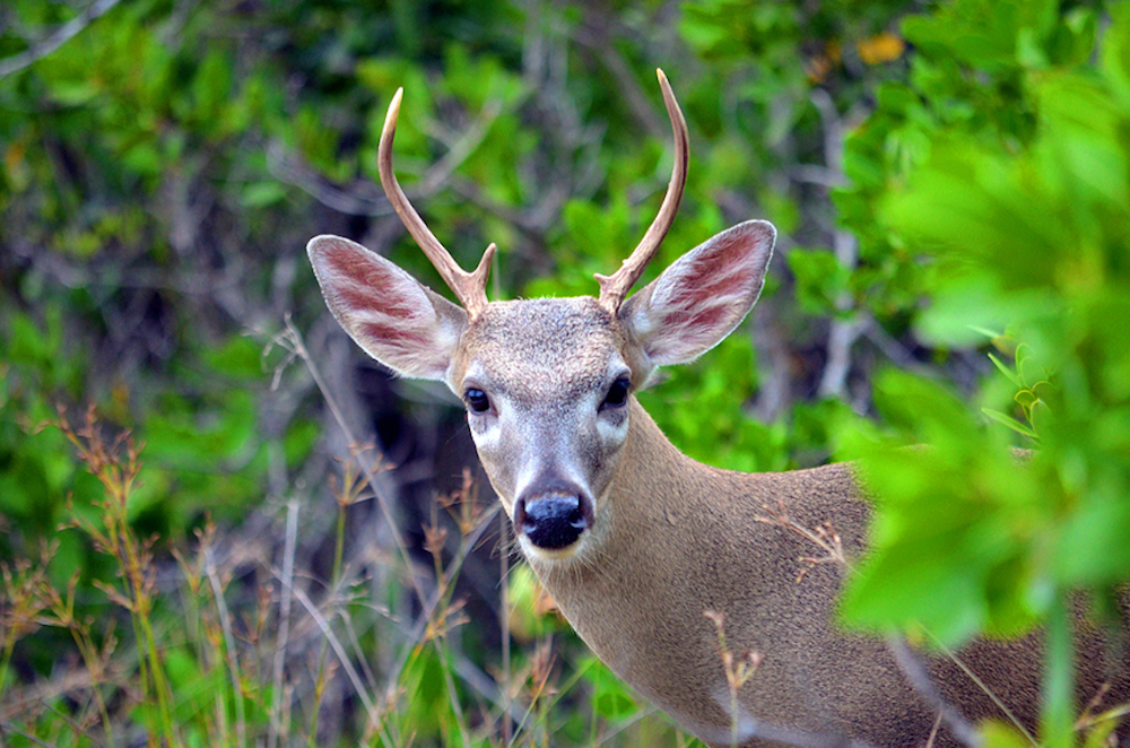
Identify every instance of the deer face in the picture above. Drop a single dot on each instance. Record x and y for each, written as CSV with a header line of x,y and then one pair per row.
x,y
547,382
548,424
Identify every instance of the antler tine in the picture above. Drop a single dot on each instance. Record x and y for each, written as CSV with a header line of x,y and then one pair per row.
x,y
469,288
614,288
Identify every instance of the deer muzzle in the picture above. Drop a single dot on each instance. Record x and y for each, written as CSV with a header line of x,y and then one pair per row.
x,y
553,517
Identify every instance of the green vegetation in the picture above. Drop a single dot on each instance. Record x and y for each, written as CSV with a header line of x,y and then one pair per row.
x,y
240,543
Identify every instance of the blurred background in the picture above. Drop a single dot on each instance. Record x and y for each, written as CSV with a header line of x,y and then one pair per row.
x,y
221,524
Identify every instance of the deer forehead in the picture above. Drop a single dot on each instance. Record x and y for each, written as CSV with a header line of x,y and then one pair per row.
x,y
542,350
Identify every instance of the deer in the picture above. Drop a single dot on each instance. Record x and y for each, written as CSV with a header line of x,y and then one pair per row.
x,y
645,551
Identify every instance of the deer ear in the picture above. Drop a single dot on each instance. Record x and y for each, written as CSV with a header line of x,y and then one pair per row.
x,y
702,297
390,314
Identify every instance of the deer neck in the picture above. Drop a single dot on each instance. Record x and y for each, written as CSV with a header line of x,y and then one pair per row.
x,y
636,595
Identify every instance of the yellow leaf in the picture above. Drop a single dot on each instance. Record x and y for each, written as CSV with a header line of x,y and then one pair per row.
x,y
880,48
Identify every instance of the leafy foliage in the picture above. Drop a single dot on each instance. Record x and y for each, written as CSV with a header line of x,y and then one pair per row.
x,y
1028,239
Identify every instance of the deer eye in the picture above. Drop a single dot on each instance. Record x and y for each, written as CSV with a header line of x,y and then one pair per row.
x,y
617,394
476,400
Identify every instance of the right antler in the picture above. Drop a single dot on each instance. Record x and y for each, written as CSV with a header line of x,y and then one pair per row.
x,y
469,288
614,288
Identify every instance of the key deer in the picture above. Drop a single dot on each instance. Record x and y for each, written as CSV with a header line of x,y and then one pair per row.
x,y
637,542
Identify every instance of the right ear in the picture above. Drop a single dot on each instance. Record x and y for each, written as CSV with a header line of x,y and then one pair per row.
x,y
391,315
702,296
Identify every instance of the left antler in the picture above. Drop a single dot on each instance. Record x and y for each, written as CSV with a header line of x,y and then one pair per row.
x,y
469,288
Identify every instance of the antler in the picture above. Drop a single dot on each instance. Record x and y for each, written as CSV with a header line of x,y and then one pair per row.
x,y
469,288
614,288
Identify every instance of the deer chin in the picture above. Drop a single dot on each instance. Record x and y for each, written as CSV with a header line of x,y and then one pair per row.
x,y
553,556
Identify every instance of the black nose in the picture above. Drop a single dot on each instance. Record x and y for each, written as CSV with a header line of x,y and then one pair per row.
x,y
553,518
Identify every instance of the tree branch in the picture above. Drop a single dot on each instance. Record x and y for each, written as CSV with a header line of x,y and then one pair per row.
x,y
844,332
62,35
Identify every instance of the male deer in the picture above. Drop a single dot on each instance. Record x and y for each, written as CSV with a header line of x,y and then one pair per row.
x,y
634,540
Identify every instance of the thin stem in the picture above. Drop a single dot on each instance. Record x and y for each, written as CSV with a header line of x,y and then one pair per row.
x,y
294,339
504,575
90,658
1057,715
339,545
284,622
229,645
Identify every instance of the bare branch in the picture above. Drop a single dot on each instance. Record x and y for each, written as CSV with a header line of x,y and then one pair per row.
x,y
334,642
595,36
229,643
828,540
62,35
844,332
362,199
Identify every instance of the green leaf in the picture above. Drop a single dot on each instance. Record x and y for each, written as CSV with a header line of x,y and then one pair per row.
x,y
611,699
820,279
1010,422
1006,370
999,734
262,194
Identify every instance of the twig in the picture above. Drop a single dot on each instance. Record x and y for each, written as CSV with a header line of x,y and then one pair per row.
x,y
429,603
1088,718
743,727
229,644
843,332
625,724
920,680
738,671
829,541
470,139
892,348
26,736
825,537
284,621
64,34
429,606
365,199
984,688
594,35
334,642
362,200
293,339
934,731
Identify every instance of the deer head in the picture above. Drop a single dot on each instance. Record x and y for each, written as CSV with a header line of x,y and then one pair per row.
x,y
546,382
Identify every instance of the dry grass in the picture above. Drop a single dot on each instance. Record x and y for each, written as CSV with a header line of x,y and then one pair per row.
x,y
239,640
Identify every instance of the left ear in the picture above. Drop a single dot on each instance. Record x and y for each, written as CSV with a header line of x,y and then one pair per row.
x,y
702,297
395,318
